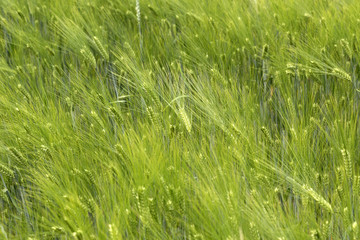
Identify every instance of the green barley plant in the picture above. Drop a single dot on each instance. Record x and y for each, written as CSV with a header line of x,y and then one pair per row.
x,y
179,119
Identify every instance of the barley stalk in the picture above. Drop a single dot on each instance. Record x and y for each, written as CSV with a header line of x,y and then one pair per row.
x,y
138,17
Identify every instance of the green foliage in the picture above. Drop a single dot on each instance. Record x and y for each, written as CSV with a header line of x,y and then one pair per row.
x,y
179,119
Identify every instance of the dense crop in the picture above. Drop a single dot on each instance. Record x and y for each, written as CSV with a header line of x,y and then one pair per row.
x,y
179,119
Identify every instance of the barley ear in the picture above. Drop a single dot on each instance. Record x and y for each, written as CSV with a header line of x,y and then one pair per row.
x,y
101,48
89,57
347,162
6,171
185,119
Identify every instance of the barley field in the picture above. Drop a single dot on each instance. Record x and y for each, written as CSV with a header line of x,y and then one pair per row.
x,y
179,119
